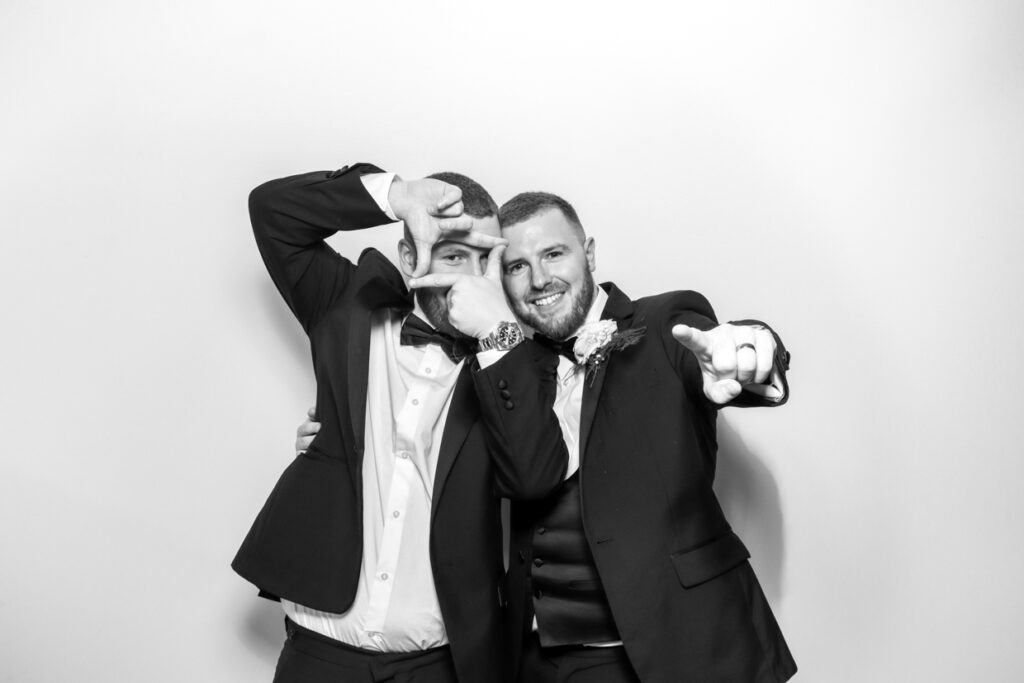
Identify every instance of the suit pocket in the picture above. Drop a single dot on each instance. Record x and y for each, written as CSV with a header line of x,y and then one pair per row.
x,y
705,562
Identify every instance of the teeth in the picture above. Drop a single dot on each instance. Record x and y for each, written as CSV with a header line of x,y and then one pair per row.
x,y
548,300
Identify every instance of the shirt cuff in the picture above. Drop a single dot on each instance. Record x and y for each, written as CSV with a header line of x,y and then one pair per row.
x,y
773,391
378,185
489,357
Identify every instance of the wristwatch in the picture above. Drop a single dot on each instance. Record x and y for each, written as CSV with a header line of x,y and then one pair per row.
x,y
507,335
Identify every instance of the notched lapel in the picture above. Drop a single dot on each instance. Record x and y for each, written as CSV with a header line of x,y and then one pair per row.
x,y
620,309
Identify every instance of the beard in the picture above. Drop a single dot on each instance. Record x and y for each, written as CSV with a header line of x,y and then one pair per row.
x,y
434,303
559,328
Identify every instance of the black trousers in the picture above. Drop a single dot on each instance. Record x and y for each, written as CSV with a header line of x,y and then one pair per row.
x,y
574,664
309,657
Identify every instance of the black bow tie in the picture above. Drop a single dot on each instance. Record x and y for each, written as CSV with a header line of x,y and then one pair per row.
x,y
563,348
415,332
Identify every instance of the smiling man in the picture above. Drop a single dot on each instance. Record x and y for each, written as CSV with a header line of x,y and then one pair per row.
x,y
623,567
382,539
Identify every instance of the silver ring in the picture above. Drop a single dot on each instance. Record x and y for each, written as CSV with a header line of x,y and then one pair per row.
x,y
747,345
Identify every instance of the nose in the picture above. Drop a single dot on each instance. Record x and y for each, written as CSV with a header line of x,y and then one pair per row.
x,y
478,265
539,276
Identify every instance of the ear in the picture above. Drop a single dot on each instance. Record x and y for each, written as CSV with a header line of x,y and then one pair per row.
x,y
588,249
406,257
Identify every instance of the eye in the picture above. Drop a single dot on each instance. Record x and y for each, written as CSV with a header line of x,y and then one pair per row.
x,y
554,253
514,268
453,259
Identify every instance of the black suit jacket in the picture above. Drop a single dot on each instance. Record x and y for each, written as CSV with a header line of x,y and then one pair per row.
x,y
684,598
306,544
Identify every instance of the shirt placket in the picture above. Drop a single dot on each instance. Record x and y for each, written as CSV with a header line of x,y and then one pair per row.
x,y
403,479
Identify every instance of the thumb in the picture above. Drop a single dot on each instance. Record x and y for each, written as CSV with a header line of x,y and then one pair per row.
x,y
692,338
424,250
722,391
493,271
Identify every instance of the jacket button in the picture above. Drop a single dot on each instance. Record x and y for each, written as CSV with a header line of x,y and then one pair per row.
x,y
509,405
541,530
502,384
505,393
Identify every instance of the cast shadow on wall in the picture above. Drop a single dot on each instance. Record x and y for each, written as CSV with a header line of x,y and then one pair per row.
x,y
750,498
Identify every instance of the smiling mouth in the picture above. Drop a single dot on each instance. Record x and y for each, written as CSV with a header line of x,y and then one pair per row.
x,y
548,300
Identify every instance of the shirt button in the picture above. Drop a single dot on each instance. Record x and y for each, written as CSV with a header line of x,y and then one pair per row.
x,y
383,576
428,370
415,401
395,514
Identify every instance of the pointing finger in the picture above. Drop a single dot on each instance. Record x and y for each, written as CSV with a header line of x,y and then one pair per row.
x,y
493,271
436,280
693,339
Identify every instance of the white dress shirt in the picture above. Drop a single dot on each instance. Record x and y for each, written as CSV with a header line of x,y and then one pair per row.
x,y
409,392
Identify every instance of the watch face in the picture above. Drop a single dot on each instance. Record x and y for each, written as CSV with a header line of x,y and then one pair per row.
x,y
508,335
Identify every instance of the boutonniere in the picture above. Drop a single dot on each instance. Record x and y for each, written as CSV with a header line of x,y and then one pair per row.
x,y
597,340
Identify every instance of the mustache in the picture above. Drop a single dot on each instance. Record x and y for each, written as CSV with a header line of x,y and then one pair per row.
x,y
547,291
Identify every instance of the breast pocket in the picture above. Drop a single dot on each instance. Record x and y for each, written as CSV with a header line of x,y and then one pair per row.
x,y
705,562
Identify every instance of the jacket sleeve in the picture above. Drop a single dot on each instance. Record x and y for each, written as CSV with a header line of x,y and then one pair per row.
x,y
517,397
691,308
292,216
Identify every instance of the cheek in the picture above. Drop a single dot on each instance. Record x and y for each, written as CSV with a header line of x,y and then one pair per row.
x,y
514,289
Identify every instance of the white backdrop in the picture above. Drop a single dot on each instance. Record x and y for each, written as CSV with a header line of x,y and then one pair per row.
x,y
849,171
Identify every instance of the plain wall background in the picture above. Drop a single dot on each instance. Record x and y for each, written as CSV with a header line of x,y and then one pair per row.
x,y
849,171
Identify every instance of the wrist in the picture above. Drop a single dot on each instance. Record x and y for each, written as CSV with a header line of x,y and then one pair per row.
x,y
503,336
397,197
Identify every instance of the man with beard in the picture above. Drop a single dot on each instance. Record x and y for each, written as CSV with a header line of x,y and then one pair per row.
x,y
623,567
382,539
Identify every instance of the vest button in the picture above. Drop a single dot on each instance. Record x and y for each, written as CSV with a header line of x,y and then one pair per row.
x,y
537,562
541,530
538,594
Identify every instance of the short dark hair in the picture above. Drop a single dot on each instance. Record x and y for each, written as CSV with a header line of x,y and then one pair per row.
x,y
526,205
476,201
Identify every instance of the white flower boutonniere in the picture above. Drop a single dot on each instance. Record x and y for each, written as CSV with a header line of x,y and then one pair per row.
x,y
596,341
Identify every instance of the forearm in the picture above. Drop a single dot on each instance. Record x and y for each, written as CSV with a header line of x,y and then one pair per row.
x,y
292,216
516,400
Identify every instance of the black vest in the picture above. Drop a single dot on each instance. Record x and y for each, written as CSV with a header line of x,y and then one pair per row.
x,y
568,598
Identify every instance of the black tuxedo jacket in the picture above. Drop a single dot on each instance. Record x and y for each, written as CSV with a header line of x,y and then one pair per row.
x,y
306,544
684,598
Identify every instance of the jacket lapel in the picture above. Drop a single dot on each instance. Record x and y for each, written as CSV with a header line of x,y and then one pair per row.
x,y
462,413
380,286
620,309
